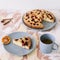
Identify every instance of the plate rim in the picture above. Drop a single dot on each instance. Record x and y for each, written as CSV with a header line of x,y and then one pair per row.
x,y
55,22
25,53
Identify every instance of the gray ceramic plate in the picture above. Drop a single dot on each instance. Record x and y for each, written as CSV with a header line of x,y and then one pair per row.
x,y
16,49
47,26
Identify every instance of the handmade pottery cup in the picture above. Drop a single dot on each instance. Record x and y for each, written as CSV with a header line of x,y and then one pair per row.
x,y
47,43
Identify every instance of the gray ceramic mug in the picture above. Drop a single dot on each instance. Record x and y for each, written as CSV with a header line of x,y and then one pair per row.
x,y
47,48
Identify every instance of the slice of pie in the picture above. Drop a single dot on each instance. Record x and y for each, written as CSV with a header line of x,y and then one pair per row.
x,y
24,42
48,16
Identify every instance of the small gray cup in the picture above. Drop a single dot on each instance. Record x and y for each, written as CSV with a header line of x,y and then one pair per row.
x,y
47,48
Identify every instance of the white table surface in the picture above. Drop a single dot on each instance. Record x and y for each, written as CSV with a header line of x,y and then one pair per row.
x,y
29,4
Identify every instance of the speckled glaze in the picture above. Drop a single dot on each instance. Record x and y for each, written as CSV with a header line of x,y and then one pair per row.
x,y
47,48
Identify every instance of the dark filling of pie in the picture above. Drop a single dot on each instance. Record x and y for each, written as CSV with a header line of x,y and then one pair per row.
x,y
33,24
27,14
35,21
37,24
22,41
16,39
43,16
26,43
23,44
35,17
50,16
32,16
38,13
31,12
28,21
45,11
26,38
25,19
37,10
32,20
40,20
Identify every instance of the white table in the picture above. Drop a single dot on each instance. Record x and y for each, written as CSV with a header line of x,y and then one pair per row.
x,y
36,54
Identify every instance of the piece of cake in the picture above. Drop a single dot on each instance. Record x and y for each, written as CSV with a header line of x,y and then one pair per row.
x,y
24,42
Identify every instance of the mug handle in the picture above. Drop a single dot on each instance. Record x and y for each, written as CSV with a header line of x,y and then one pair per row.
x,y
55,46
